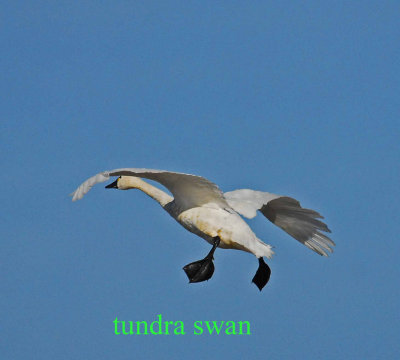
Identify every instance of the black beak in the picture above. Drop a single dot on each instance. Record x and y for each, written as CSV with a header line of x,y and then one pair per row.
x,y
112,185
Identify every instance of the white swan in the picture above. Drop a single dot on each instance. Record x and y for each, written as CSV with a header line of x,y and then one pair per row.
x,y
201,207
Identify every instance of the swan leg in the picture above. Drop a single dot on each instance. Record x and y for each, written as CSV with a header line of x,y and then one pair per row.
x,y
202,270
262,275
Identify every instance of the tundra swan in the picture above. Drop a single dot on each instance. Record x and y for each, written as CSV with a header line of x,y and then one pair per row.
x,y
201,207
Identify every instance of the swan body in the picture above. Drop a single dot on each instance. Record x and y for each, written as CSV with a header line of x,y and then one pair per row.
x,y
201,207
209,222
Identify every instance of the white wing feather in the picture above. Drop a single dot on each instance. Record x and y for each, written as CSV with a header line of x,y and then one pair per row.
x,y
286,213
188,190
246,202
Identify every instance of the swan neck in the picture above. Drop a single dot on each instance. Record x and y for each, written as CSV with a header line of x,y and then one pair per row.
x,y
160,196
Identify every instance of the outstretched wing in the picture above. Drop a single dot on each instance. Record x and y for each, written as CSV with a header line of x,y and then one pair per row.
x,y
285,212
188,190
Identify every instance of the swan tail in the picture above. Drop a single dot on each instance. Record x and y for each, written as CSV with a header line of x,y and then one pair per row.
x,y
263,249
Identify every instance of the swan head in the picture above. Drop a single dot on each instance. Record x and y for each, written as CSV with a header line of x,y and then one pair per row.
x,y
125,183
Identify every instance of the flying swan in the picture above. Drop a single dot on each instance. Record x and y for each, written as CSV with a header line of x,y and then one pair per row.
x,y
201,207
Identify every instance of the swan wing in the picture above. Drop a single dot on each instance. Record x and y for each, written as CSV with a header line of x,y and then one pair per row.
x,y
285,212
188,190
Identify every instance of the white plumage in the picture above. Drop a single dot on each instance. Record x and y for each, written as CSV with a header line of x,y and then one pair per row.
x,y
201,207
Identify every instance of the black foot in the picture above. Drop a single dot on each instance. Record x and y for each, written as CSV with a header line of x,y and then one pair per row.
x,y
200,270
262,275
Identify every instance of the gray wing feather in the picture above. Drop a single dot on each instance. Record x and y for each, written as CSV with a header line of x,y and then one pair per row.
x,y
287,213
84,188
188,190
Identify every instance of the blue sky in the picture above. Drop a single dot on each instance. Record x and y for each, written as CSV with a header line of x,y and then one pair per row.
x,y
291,97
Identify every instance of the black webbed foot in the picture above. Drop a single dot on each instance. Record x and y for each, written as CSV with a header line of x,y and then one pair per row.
x,y
202,270
262,275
